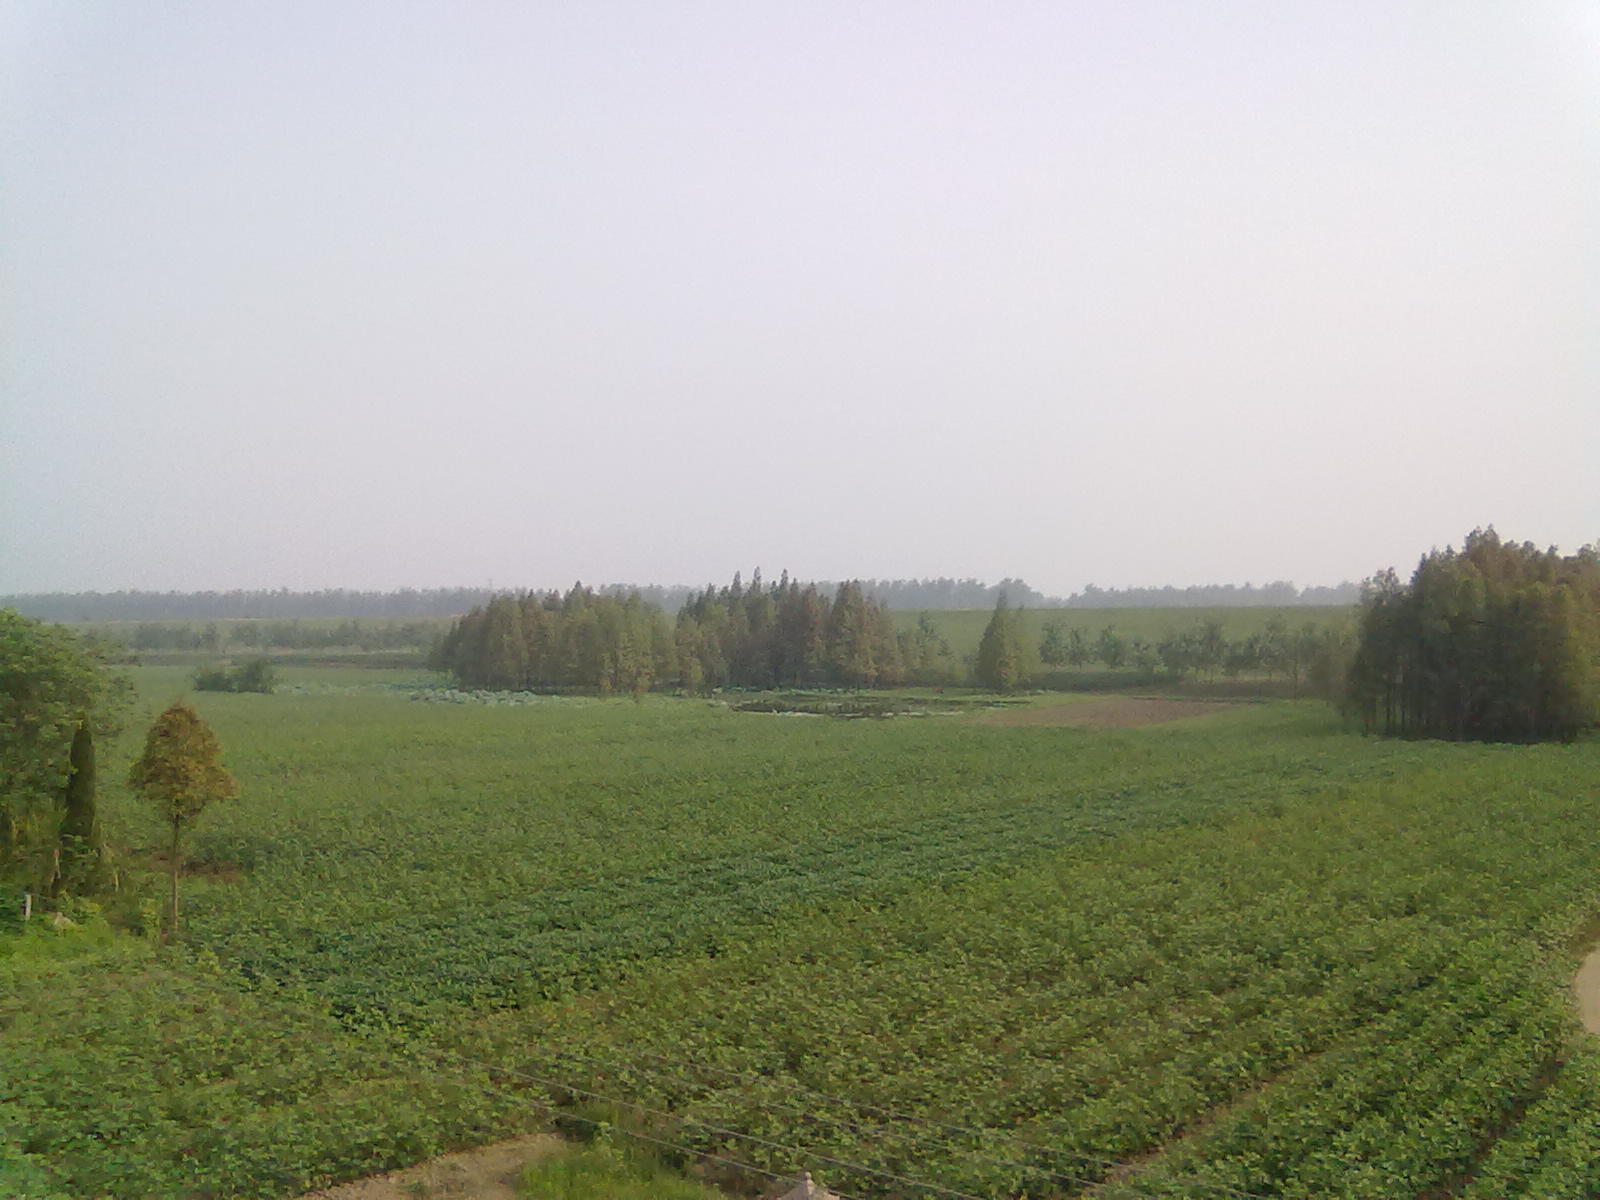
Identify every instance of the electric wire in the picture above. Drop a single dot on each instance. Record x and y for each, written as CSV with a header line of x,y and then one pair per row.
x,y
917,1136
801,1154
814,1155
964,1130
560,1114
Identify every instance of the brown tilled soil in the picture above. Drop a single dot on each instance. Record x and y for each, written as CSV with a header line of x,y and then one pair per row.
x,y
1587,986
1114,712
487,1173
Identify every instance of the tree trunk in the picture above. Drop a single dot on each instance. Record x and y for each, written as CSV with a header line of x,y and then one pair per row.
x,y
176,863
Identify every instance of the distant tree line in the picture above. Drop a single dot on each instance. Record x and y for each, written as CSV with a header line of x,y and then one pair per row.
x,y
756,635
898,594
1497,641
274,635
84,607
1312,653
1278,594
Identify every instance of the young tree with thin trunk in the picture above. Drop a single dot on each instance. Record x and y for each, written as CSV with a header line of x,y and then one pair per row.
x,y
179,775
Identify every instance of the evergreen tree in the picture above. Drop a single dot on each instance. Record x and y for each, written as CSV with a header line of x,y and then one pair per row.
x,y
83,867
852,638
1000,664
890,669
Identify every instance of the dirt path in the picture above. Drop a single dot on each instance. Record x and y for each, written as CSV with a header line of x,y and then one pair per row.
x,y
1587,986
487,1173
1114,712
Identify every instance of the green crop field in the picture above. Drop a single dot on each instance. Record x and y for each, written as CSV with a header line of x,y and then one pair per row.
x,y
1250,951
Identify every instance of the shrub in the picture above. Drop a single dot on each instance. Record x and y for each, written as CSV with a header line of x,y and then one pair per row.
x,y
257,675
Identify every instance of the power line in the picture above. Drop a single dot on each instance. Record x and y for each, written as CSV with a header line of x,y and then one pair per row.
x,y
561,1114
967,1131
800,1153
845,1123
890,1176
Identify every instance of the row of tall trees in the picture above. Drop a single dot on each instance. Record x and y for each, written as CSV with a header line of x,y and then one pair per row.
x,y
540,641
1310,651
755,635
792,634
1497,641
787,634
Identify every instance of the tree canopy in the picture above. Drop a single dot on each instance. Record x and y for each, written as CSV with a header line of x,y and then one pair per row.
x,y
180,774
1002,662
52,683
755,635
1497,641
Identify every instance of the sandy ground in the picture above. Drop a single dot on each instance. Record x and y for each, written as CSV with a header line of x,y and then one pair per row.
x,y
1114,712
1587,985
486,1173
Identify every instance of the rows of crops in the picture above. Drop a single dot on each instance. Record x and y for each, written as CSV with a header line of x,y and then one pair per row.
x,y
1350,999
1249,952
387,870
130,1077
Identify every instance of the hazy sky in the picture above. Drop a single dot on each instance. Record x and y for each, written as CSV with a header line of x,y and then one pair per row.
x,y
372,295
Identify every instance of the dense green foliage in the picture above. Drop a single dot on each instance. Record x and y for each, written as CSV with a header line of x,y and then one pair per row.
x,y
254,675
583,640
1002,662
1344,990
52,684
963,630
136,1076
82,860
791,635
1252,949
179,775
782,635
1498,641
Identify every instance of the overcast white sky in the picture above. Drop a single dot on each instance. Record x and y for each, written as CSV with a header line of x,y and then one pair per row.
x,y
385,294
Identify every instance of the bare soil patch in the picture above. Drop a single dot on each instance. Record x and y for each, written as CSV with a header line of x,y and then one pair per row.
x,y
1587,987
1113,712
487,1173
